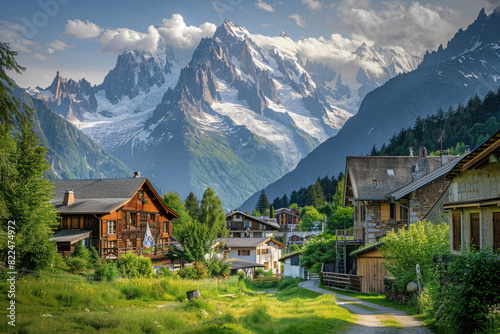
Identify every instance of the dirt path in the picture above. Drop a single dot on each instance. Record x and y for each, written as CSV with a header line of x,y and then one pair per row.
x,y
369,315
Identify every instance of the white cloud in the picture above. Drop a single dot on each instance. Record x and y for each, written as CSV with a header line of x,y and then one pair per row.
x,y
58,45
82,30
313,5
39,56
10,33
415,27
264,6
181,36
118,40
298,20
50,51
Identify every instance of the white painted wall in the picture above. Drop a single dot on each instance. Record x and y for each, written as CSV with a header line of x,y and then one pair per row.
x,y
293,271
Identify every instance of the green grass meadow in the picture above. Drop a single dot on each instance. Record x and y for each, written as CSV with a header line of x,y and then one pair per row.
x,y
70,304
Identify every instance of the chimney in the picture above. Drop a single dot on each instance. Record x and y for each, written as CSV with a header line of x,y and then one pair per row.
x,y
137,174
422,152
444,158
467,149
69,197
411,150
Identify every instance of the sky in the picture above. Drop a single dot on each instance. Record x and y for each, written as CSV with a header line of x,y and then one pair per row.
x,y
83,38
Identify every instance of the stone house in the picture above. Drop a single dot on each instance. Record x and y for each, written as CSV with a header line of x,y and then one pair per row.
x,y
389,192
474,198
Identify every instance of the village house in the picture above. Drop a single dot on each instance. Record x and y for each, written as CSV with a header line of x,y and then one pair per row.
x,y
265,251
295,237
474,199
388,192
111,215
243,225
285,217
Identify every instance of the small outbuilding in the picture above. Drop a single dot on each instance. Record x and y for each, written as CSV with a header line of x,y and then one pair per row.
x,y
371,268
292,266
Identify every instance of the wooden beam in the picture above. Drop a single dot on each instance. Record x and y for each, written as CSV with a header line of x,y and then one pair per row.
x,y
475,161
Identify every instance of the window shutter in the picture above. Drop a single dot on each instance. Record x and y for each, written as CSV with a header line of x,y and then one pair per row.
x,y
457,232
385,211
474,230
104,229
496,231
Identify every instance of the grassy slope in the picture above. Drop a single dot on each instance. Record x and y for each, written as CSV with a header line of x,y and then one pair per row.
x,y
70,304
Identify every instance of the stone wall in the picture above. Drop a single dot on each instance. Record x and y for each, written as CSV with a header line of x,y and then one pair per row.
x,y
424,198
377,228
473,184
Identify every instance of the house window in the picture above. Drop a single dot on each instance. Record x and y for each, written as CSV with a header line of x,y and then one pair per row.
x,y
246,224
275,264
266,265
111,244
111,227
496,231
474,231
295,260
264,251
403,213
258,251
257,235
457,232
165,227
131,221
393,211
243,252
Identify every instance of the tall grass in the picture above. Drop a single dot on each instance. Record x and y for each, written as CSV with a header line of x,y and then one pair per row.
x,y
53,303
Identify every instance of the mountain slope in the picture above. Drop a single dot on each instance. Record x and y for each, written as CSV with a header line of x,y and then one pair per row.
x,y
71,153
400,101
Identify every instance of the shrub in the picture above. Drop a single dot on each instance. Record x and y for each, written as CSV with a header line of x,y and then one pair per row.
x,y
268,273
316,251
82,252
165,272
131,265
107,271
473,286
259,272
94,256
241,275
286,282
418,245
197,271
59,262
76,264
294,248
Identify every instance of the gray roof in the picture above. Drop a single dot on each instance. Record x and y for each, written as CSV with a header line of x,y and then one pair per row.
x,y
362,170
99,196
272,224
244,242
290,255
242,264
429,177
302,234
70,235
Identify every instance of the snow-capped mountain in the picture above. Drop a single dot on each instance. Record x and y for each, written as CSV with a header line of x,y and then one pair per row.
x,y
244,111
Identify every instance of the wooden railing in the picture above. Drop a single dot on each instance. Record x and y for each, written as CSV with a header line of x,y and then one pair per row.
x,y
349,235
341,281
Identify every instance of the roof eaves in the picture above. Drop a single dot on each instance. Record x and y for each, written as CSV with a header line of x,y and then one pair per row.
x,y
367,248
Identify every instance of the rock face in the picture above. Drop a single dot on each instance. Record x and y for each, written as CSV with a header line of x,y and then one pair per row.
x,y
399,102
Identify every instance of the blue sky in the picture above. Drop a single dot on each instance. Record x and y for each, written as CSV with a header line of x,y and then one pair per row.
x,y
83,38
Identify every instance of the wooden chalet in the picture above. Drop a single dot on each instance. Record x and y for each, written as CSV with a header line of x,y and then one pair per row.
x,y
285,217
243,225
111,215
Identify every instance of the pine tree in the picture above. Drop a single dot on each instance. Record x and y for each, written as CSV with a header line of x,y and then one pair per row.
x,y
284,201
192,205
212,214
262,203
316,196
272,213
374,151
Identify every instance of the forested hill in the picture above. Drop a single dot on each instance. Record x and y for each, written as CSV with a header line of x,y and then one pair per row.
x,y
469,124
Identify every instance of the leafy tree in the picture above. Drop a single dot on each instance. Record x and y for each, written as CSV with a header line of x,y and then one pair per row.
x,y
262,203
339,194
316,251
192,205
316,196
213,215
173,201
294,248
196,241
341,219
293,206
309,214
327,209
256,213
419,245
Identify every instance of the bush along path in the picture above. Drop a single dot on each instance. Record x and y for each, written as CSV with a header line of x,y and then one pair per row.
x,y
372,318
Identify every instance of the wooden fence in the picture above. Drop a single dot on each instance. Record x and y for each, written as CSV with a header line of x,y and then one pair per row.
x,y
341,281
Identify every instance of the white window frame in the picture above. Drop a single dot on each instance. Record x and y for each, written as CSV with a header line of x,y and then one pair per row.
x,y
111,227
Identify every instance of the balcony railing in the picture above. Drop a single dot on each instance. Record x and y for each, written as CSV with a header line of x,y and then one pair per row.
x,y
350,235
